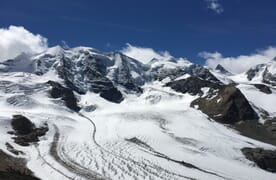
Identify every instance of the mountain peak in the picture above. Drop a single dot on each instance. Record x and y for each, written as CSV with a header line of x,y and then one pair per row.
x,y
221,69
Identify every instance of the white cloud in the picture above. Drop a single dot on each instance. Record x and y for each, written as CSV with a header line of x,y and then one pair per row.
x,y
241,63
144,54
215,6
16,39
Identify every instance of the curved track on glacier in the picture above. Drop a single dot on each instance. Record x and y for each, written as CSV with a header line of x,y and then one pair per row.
x,y
68,164
143,165
147,168
114,160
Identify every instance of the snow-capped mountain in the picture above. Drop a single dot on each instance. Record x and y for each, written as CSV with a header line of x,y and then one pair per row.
x,y
83,114
265,73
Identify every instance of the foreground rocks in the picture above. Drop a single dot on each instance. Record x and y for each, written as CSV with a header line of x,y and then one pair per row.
x,y
12,168
265,159
25,131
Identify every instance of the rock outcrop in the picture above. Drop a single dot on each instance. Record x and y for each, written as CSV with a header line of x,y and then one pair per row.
x,y
22,125
222,70
263,88
25,131
192,85
253,72
66,94
265,159
269,78
12,168
227,105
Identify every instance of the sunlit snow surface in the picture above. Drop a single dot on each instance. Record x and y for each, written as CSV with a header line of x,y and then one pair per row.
x,y
99,144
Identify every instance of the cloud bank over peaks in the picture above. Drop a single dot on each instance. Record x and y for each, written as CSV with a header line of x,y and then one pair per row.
x,y
15,40
145,54
240,63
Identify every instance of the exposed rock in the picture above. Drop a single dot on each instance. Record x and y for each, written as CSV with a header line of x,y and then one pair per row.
x,y
201,72
89,74
261,132
252,72
222,70
139,142
192,85
112,94
89,108
22,125
269,78
263,88
12,168
265,159
271,126
263,71
66,94
121,73
228,105
160,72
11,149
25,130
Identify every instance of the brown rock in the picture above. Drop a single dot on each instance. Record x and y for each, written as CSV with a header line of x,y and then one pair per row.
x,y
227,105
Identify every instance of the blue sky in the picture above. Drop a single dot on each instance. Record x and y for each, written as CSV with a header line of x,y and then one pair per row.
x,y
182,27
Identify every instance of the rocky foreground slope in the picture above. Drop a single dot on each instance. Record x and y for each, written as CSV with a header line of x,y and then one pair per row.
x,y
83,114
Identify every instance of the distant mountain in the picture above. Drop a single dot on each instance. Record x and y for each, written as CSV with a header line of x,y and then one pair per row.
x,y
222,70
265,73
79,113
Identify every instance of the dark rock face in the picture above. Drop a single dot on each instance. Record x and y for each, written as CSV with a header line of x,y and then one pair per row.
x,y
261,132
269,78
88,75
12,168
263,88
271,126
224,103
228,105
251,73
192,85
112,95
121,74
160,73
222,70
25,130
22,125
201,72
265,159
66,94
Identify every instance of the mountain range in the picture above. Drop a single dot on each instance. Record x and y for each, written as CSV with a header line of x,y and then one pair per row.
x,y
79,113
